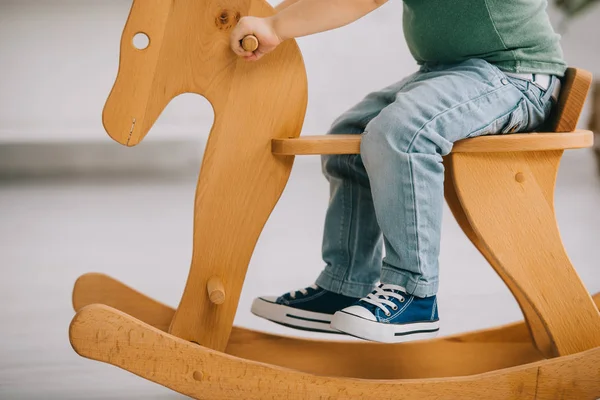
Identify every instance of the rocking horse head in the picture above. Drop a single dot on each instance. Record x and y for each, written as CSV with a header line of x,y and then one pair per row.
x,y
188,51
254,102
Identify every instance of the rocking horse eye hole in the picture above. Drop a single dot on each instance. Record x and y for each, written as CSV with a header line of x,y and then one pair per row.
x,y
141,41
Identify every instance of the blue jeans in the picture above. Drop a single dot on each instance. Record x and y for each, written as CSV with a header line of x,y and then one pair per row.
x,y
392,193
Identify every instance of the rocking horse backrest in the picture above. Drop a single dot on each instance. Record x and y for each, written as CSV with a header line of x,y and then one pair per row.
x,y
575,87
240,180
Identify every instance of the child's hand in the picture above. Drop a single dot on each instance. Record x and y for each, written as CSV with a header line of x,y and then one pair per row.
x,y
263,29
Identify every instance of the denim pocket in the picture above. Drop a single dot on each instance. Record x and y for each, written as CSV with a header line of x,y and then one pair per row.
x,y
534,93
517,120
513,121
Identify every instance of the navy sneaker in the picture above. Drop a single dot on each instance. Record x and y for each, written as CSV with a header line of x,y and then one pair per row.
x,y
307,309
389,315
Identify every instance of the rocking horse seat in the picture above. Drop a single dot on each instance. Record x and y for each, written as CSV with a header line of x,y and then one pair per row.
x,y
350,144
576,84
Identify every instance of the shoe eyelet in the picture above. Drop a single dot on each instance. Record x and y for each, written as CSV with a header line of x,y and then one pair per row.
x,y
395,308
387,314
402,300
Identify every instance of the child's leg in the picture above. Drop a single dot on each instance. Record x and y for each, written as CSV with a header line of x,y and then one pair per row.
x,y
352,241
402,151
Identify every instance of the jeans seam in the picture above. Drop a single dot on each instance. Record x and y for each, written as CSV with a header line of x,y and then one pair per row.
x,y
548,94
347,186
544,98
344,281
343,218
409,278
508,115
365,120
415,213
413,139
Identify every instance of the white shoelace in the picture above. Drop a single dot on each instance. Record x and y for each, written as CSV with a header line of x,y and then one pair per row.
x,y
381,295
303,291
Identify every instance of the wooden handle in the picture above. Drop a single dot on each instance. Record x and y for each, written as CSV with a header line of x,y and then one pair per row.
x,y
250,43
216,291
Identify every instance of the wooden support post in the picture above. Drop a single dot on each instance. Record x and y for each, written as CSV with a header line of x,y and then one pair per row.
x,y
216,290
515,221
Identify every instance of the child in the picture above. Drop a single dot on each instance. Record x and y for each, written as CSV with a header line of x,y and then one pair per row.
x,y
486,67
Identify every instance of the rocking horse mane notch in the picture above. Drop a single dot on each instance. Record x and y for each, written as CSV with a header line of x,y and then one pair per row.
x,y
129,106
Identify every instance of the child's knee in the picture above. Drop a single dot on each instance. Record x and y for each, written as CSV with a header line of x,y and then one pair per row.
x,y
377,151
383,139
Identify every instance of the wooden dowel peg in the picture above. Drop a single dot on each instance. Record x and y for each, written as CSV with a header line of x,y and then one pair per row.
x,y
216,290
250,43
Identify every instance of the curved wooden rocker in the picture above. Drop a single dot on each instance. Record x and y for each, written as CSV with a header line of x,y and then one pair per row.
x,y
500,190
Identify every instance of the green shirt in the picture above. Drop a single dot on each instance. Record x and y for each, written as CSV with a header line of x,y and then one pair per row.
x,y
514,35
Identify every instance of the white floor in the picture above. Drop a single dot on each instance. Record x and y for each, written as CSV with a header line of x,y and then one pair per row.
x,y
139,231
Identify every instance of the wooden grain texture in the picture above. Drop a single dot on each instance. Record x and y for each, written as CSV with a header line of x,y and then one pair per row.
x,y
367,360
502,346
533,324
317,144
575,87
350,144
516,224
250,43
238,185
105,334
95,288
350,359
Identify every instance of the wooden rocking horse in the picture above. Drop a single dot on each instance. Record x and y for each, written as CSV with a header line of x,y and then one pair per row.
x,y
259,111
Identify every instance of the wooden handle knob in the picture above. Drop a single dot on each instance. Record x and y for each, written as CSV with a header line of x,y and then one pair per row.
x,y
250,43
216,291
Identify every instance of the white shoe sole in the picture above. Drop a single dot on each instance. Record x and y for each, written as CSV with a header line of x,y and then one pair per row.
x,y
384,333
292,317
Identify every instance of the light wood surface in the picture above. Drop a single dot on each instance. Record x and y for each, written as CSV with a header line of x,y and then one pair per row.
x,y
516,223
367,360
502,346
94,288
216,290
253,103
534,326
575,87
250,43
105,334
350,144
